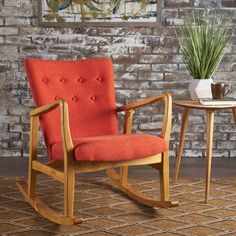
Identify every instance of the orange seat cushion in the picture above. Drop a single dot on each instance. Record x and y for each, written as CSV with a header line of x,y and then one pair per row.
x,y
113,147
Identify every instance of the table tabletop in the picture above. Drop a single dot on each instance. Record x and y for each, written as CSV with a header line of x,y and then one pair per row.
x,y
197,105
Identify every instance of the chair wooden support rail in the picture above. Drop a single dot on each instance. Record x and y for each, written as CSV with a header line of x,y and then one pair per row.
x,y
64,171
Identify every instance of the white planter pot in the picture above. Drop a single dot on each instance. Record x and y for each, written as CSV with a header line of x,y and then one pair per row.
x,y
200,88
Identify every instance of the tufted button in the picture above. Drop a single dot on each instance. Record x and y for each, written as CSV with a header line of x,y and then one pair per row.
x,y
45,80
57,98
80,80
74,98
62,80
93,98
99,79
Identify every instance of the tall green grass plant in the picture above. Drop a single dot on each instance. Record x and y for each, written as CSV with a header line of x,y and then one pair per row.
x,y
203,42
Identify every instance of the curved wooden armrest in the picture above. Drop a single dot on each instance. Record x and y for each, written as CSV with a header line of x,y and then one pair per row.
x,y
141,103
65,128
46,108
166,97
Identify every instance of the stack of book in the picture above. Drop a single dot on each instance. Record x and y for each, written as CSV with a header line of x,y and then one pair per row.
x,y
229,101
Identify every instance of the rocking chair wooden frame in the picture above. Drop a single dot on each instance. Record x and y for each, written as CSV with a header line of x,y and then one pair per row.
x,y
64,171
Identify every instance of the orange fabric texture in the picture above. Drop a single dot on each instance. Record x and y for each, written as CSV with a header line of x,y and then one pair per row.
x,y
113,147
87,86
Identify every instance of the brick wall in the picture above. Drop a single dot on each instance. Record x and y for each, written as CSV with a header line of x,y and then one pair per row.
x,y
146,60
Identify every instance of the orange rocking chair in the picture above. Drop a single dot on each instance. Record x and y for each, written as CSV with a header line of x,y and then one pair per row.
x,y
78,116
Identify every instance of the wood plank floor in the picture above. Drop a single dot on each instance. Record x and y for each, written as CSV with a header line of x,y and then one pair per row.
x,y
190,168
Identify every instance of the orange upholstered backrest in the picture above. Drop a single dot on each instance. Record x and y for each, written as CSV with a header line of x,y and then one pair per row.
x,y
87,86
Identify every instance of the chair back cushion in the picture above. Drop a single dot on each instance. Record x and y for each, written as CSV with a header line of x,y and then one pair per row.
x,y
86,85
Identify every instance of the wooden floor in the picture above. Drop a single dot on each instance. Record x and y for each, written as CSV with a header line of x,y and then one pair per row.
x,y
190,168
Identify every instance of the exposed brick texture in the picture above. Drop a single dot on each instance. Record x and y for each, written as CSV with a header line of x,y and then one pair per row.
x,y
179,3
146,61
229,3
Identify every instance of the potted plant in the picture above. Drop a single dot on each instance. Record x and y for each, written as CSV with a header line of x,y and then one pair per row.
x,y
202,43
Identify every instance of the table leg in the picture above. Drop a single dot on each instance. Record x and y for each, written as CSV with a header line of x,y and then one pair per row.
x,y
181,141
209,140
234,113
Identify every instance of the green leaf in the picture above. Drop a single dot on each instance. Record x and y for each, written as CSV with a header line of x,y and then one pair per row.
x,y
202,43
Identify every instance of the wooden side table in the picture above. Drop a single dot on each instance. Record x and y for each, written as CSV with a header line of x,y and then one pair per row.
x,y
187,105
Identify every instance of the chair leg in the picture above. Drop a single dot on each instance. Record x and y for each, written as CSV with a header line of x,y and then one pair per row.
x,y
69,192
34,124
123,175
164,177
44,209
32,175
139,197
69,182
